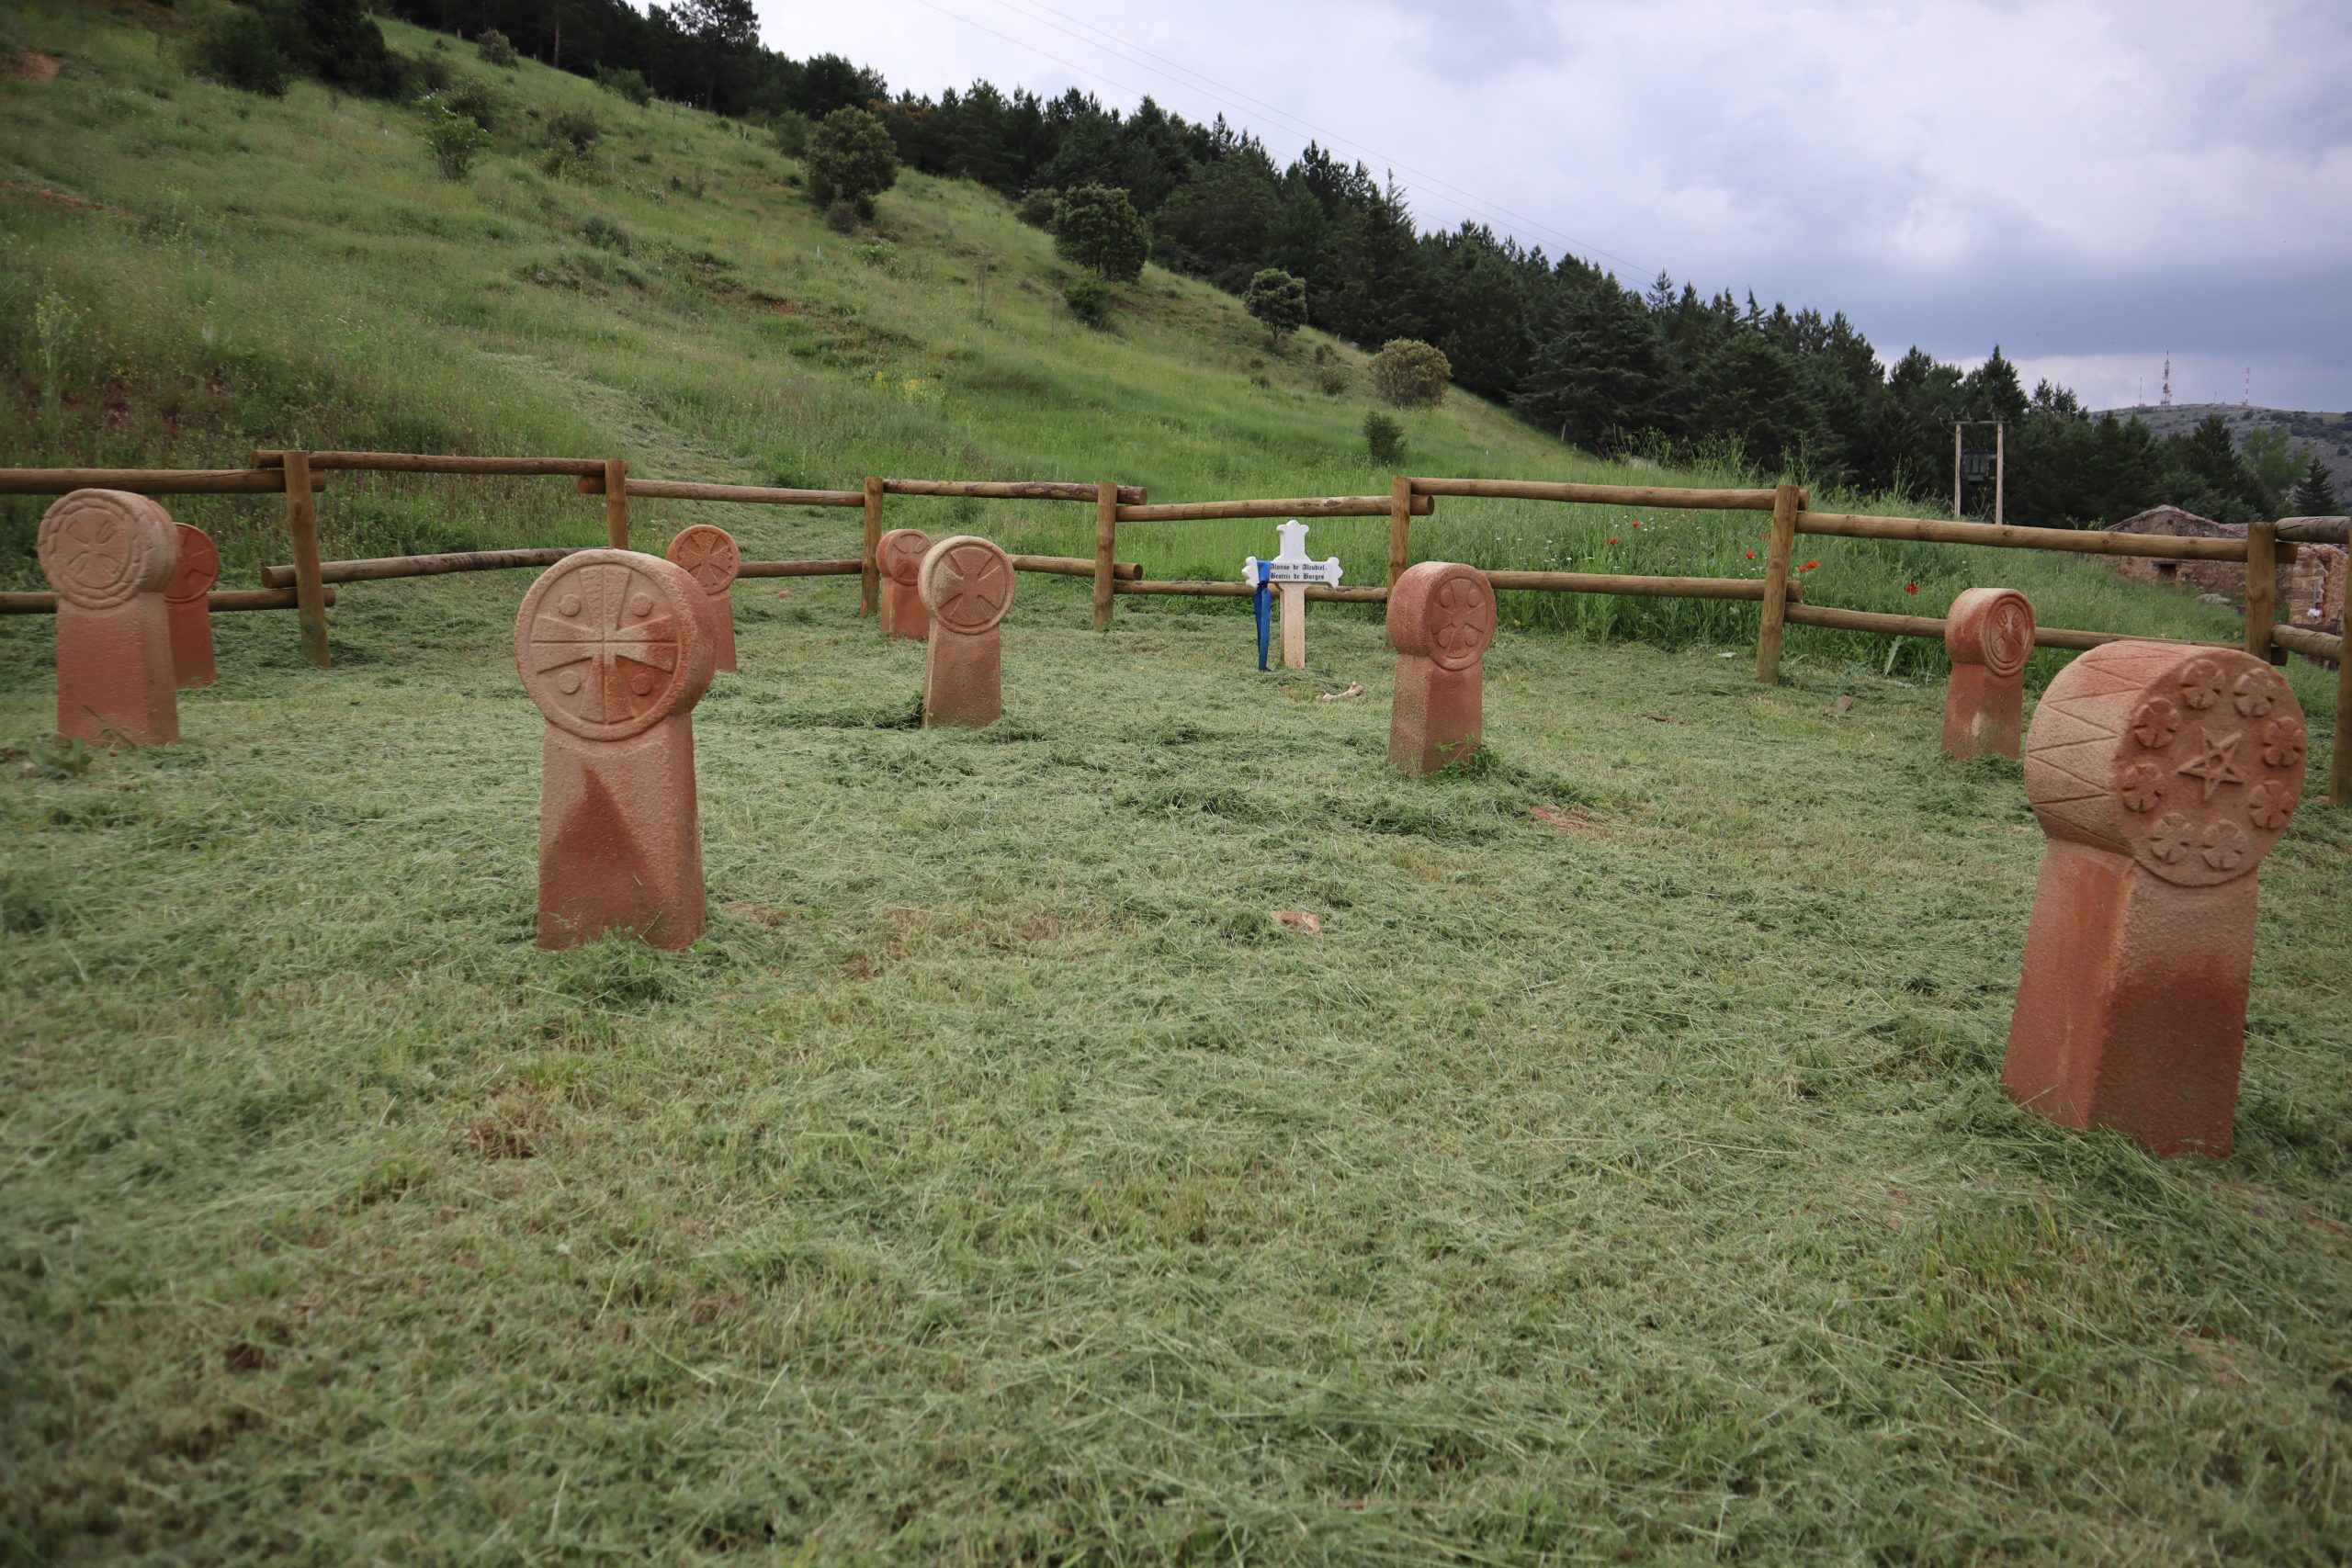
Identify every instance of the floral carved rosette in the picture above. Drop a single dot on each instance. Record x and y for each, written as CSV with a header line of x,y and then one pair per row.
x,y
2190,761
1444,613
1992,627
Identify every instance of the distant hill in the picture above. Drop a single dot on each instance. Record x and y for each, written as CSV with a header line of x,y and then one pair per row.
x,y
2329,434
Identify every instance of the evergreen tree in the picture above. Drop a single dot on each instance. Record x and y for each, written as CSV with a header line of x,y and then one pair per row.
x,y
1599,377
852,159
1279,300
1097,227
2314,493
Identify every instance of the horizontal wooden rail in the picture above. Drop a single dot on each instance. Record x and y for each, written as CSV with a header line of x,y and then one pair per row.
x,y
1637,587
1835,619
1297,506
434,463
1322,593
849,568
2308,643
147,481
1010,490
1075,566
745,496
2082,541
1600,495
386,569
226,599
2315,530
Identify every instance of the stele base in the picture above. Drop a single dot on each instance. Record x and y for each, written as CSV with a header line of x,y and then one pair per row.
x,y
717,612
902,612
1438,718
1984,712
620,838
2131,1012
962,679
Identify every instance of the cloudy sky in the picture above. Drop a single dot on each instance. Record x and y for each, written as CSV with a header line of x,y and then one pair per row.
x,y
2090,185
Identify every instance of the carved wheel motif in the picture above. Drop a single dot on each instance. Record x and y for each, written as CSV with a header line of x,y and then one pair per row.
x,y
2009,638
967,584
2191,764
100,547
1459,623
199,568
708,555
903,553
606,647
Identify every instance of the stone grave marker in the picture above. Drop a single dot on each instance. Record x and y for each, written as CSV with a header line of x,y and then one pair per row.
x,y
901,550
2162,775
708,555
190,607
613,647
111,555
967,586
1441,621
1989,634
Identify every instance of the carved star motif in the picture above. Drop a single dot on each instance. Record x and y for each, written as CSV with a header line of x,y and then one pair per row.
x,y
2216,761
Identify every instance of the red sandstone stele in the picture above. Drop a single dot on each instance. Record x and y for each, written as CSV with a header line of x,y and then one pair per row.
x,y
1441,620
612,647
190,607
1989,634
111,555
967,586
708,555
2162,775
901,551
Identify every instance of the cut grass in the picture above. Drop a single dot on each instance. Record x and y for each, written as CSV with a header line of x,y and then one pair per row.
x,y
997,1181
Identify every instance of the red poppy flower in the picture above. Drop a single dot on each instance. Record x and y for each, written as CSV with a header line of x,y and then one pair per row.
x,y
1612,538
1637,524
1910,587
1751,555
1811,564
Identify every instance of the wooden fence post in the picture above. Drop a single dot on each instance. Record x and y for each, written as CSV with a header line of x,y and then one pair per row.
x,y
2261,587
2339,761
302,532
1776,582
617,503
1106,539
870,555
1400,528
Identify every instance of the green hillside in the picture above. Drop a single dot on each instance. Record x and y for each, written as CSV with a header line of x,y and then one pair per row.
x,y
194,271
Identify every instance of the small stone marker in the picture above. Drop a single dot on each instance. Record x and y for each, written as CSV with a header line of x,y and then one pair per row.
x,y
190,608
2162,775
613,649
967,586
111,555
1291,570
1441,620
1989,634
708,555
902,550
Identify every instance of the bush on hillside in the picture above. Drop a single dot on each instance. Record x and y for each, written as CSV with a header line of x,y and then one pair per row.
x,y
1098,227
841,217
472,99
790,128
426,74
453,139
605,234
1036,209
1408,373
1088,299
239,49
339,43
572,142
625,82
1384,439
1279,300
852,159
496,49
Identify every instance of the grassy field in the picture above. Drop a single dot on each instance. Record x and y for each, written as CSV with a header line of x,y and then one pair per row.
x,y
997,1181
1621,1175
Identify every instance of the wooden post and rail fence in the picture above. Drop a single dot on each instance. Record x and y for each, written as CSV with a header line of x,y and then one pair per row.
x,y
307,584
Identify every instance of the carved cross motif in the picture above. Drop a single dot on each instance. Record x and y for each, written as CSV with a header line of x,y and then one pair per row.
x,y
971,588
1455,626
604,646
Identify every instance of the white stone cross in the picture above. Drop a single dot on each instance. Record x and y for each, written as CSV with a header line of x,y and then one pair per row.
x,y
1291,570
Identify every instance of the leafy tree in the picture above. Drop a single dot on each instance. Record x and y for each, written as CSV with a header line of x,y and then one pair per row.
x,y
2314,493
1098,227
2270,459
496,49
626,81
452,138
1384,439
339,43
1407,374
1279,300
238,49
851,159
